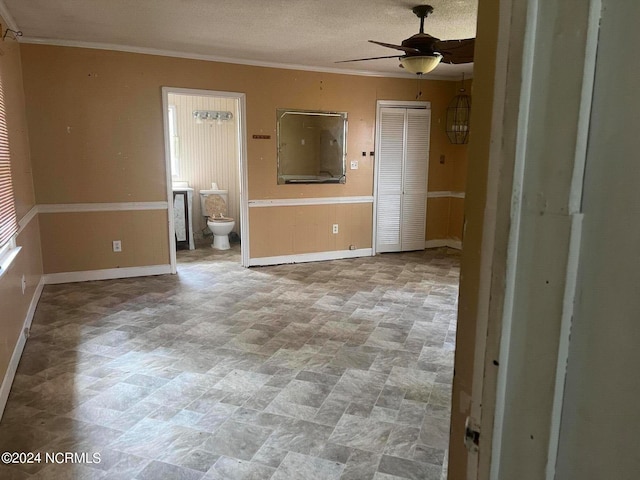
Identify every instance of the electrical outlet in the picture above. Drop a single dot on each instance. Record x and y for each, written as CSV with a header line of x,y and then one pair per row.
x,y
23,283
117,246
354,164
335,228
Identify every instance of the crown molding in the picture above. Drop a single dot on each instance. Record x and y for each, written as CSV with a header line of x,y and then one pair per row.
x,y
6,14
221,59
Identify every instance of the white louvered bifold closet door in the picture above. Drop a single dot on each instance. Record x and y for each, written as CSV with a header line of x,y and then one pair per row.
x,y
390,160
403,161
414,200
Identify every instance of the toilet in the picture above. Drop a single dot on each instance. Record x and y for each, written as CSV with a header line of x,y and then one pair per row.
x,y
213,205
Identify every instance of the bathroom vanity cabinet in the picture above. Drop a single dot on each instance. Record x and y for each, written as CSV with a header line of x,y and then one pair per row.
x,y
183,217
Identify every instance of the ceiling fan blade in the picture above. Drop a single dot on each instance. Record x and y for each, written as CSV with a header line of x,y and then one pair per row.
x,y
456,51
370,58
397,47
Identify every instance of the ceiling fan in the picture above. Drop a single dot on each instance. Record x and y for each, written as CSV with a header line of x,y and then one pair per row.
x,y
422,52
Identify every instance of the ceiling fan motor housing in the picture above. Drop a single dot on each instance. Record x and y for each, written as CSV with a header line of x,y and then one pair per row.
x,y
423,42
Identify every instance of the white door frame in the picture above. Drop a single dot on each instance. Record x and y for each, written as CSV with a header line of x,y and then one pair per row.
x,y
242,150
379,105
532,231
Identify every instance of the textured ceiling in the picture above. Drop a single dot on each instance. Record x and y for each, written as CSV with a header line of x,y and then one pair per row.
x,y
311,34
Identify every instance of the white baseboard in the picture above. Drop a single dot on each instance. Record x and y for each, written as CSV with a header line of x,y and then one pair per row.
x,y
445,242
310,257
105,274
17,351
457,244
444,194
435,243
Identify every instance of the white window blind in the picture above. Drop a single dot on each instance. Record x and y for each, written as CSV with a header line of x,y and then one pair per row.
x,y
8,223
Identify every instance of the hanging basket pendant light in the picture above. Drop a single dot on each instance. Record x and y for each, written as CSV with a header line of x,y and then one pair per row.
x,y
458,116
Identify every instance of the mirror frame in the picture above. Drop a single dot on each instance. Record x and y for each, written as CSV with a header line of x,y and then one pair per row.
x,y
342,179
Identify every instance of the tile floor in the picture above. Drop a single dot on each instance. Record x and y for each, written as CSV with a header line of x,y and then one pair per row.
x,y
330,370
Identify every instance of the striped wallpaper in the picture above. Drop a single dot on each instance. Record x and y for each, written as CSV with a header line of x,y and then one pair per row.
x,y
208,152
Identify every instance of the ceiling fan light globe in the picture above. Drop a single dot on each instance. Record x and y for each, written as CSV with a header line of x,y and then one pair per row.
x,y
420,64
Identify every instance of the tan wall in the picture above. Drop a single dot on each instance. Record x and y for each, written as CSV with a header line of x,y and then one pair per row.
x,y
456,218
14,303
446,218
458,184
144,236
459,169
99,135
438,214
449,174
208,152
306,229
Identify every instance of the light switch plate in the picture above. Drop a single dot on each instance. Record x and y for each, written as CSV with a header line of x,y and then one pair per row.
x,y
354,164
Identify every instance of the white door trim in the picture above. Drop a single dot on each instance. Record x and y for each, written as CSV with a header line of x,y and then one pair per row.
x,y
242,150
509,320
379,105
167,160
514,235
575,209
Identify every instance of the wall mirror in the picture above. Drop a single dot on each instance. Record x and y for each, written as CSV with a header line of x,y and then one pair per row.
x,y
312,146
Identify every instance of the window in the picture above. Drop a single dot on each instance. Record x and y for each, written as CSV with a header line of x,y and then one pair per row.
x,y
8,223
7,253
174,145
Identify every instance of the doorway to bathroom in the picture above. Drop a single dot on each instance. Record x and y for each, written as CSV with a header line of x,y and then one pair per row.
x,y
205,156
